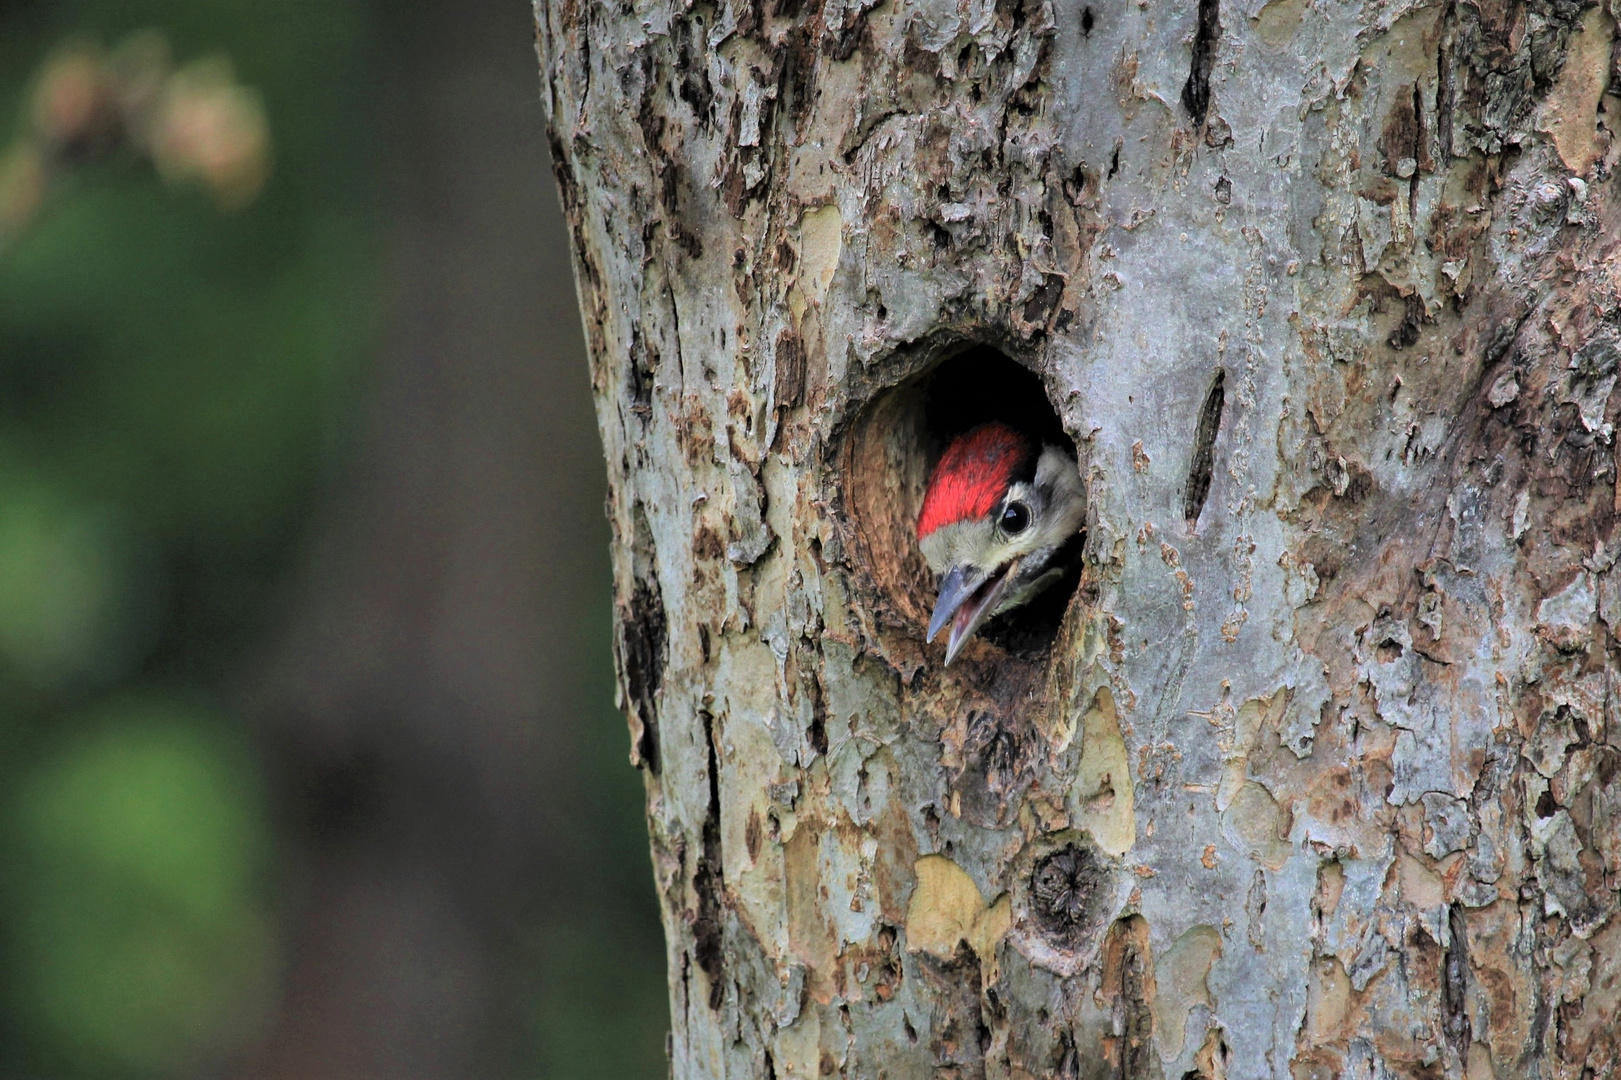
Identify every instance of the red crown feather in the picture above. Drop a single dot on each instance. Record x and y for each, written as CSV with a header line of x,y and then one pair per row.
x,y
973,475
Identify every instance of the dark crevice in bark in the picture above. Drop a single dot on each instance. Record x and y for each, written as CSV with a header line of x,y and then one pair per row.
x,y
1407,331
1066,1064
1421,156
1075,186
1213,1060
1444,91
708,881
843,43
1204,449
964,1037
686,987
1038,310
816,733
1196,91
694,86
998,755
1255,911
1455,982
642,633
644,362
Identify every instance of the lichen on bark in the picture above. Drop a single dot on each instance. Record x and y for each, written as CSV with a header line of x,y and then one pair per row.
x,y
1317,774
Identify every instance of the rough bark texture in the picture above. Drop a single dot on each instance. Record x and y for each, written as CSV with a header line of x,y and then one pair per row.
x,y
1317,777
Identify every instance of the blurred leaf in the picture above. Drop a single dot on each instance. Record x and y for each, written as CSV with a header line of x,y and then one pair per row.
x,y
601,1011
136,937
70,586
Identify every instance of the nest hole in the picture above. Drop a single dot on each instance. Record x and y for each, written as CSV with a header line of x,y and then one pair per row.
x,y
891,448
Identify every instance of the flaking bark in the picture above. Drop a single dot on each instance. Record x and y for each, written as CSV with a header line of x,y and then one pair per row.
x,y
1318,775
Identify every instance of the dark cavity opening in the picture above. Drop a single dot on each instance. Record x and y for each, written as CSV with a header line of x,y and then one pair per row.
x,y
889,453
1204,450
1087,22
1196,91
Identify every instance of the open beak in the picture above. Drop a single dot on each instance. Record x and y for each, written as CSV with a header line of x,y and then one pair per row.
x,y
967,599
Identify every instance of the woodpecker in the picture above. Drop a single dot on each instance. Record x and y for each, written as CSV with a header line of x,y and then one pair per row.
x,y
998,518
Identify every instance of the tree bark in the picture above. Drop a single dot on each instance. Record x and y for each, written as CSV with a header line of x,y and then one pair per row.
x,y
1316,777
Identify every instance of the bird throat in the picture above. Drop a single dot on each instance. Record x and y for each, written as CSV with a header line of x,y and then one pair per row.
x,y
980,606
1028,628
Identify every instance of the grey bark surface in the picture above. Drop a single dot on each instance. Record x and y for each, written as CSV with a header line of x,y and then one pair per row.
x,y
1318,777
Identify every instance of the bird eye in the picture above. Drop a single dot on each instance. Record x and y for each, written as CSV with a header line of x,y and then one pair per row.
x,y
1016,518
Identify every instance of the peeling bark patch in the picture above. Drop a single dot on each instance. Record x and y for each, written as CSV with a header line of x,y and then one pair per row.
x,y
789,383
1505,64
1277,22
1196,91
946,911
1181,976
1128,987
640,650
821,233
1103,797
1571,113
1204,450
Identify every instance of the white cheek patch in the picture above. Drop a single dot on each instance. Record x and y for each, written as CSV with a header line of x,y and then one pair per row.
x,y
956,544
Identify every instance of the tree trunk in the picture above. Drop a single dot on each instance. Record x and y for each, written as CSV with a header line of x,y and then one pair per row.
x,y
1316,774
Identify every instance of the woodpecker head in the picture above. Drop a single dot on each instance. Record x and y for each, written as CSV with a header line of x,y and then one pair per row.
x,y
998,510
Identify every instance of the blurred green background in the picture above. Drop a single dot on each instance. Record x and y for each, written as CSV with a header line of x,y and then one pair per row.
x,y
309,765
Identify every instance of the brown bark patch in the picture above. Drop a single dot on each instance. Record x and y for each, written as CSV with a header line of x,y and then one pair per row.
x,y
1127,988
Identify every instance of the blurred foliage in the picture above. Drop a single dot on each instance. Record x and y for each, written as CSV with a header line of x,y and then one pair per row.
x,y
140,942
194,124
601,1004
70,589
188,288
190,247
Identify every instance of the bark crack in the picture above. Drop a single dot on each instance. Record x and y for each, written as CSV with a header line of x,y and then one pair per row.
x,y
1196,91
1204,449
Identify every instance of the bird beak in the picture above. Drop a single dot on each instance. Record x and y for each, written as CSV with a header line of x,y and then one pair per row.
x,y
966,600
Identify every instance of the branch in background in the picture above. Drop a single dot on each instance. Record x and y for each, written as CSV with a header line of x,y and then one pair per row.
x,y
195,124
